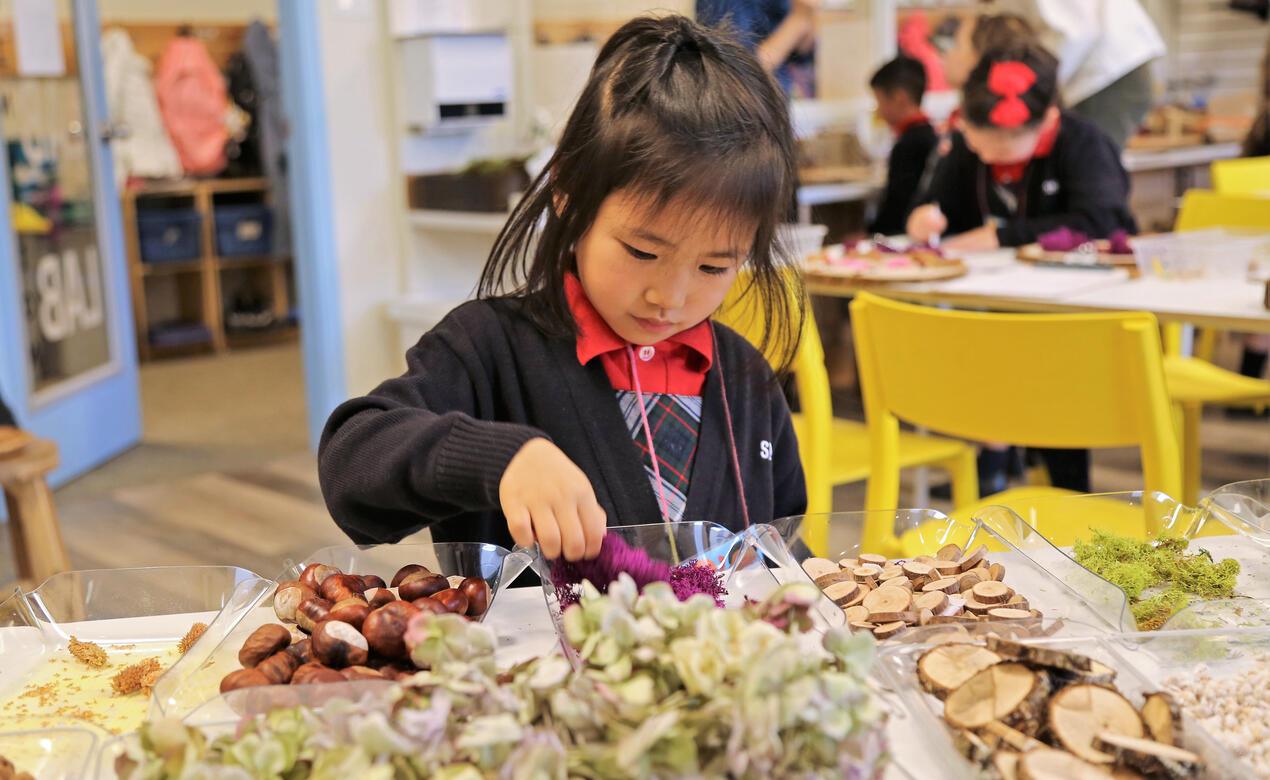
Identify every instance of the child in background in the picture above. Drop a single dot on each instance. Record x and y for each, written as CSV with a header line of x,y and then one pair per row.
x,y
898,87
587,385
980,33
1026,167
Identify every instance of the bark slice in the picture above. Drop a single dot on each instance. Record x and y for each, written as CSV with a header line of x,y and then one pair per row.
x,y
1040,656
1048,764
1008,692
1163,717
1078,713
946,668
1150,757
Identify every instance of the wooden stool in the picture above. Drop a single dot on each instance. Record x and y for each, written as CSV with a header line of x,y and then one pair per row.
x,y
37,537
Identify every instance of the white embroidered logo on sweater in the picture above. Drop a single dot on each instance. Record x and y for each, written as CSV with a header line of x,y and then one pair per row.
x,y
765,450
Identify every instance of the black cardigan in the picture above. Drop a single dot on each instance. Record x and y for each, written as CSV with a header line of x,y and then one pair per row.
x,y
1081,184
430,447
904,170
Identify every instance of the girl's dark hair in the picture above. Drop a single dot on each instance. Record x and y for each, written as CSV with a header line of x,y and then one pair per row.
x,y
981,95
672,110
996,31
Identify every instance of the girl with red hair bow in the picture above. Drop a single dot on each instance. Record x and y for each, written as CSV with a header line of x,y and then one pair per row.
x,y
1021,167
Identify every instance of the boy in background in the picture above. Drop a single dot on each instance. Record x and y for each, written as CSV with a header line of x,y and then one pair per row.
x,y
898,87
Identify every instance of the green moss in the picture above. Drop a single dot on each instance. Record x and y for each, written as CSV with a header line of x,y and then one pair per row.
x,y
1136,566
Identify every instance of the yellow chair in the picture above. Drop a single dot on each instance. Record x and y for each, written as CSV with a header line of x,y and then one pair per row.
x,y
1193,380
1043,380
1242,176
835,451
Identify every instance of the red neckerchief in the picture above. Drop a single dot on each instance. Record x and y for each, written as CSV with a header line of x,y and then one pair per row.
x,y
1009,173
676,365
913,120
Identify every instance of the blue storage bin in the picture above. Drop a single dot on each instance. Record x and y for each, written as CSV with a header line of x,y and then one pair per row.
x,y
168,235
244,230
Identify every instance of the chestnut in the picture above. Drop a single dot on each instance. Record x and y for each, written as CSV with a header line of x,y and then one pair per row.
x,y
288,596
407,570
431,605
315,673
301,651
361,673
478,595
416,586
352,611
311,612
337,644
243,678
279,667
377,597
373,581
338,587
316,573
396,672
453,600
263,642
385,628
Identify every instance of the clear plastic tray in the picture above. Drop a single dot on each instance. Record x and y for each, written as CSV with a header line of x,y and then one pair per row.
x,y
1051,582
1207,529
898,664
1193,254
754,563
133,614
1244,507
64,752
194,682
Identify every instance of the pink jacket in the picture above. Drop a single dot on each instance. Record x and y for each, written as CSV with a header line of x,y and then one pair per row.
x,y
193,101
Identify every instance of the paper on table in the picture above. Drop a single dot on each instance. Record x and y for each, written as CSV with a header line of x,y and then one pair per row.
x,y
39,38
1035,283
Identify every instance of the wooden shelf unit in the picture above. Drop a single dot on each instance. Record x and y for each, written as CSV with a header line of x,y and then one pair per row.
x,y
206,269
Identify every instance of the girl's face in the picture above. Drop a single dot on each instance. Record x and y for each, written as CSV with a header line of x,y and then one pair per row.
x,y
997,146
962,57
652,275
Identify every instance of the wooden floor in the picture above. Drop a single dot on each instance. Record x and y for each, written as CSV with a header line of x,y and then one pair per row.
x,y
257,503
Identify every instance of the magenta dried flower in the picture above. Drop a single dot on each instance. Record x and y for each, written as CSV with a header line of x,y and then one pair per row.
x,y
617,557
696,577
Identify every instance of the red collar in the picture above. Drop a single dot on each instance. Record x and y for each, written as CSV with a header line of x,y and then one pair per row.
x,y
914,119
678,364
1010,173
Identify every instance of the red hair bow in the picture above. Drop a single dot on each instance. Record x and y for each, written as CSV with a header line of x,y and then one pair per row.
x,y
1009,80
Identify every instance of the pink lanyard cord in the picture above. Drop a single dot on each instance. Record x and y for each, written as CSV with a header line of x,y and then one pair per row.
x,y
648,435
727,414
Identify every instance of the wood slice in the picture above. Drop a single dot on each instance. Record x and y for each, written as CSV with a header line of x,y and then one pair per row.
x,y
1013,737
903,583
975,607
825,580
874,559
886,602
1150,757
1008,692
1078,713
1018,602
970,745
890,573
992,592
949,552
857,598
1006,613
1040,656
969,580
1162,716
819,567
926,559
944,669
1006,762
973,558
856,614
935,601
841,593
861,625
940,620
914,569
909,617
997,572
947,585
849,563
1050,764
888,630
867,574
946,635
924,616
947,568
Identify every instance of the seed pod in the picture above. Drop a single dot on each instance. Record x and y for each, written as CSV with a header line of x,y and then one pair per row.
x,y
263,642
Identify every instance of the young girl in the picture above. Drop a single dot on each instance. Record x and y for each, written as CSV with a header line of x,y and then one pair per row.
x,y
1025,167
527,415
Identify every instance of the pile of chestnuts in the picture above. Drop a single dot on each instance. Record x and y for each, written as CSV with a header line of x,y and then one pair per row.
x,y
356,625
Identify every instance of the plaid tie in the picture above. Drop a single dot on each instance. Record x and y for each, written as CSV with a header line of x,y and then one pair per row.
x,y
675,421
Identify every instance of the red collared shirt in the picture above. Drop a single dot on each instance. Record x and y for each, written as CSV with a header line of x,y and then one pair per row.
x,y
913,120
1010,173
676,365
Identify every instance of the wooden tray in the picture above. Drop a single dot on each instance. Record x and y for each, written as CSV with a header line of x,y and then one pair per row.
x,y
1032,253
825,273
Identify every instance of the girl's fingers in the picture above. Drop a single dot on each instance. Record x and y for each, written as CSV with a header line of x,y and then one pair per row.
x,y
572,542
594,524
547,531
520,525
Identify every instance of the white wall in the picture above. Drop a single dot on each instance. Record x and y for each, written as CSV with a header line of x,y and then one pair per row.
x,y
366,182
158,11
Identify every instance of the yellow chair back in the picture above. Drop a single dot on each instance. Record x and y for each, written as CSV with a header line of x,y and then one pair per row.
x,y
1242,176
1042,380
743,312
1208,209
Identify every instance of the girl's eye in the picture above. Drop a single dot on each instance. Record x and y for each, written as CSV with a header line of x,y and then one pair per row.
x,y
635,253
714,270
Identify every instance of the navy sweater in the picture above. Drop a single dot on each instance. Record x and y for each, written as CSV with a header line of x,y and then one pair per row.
x,y
904,170
1080,184
429,448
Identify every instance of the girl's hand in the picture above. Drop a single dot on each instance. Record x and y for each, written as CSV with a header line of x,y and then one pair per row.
x,y
545,497
925,223
980,239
